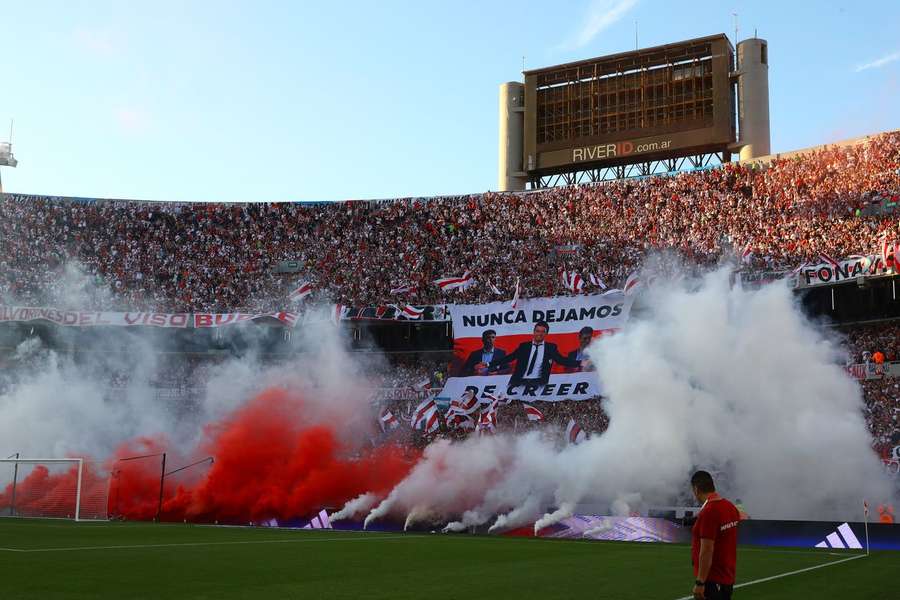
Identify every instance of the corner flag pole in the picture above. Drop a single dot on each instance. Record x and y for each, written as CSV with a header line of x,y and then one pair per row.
x,y
866,523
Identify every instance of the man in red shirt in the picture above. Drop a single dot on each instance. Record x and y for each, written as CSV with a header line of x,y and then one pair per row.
x,y
713,541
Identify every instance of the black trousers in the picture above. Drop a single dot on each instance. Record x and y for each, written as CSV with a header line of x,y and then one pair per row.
x,y
718,591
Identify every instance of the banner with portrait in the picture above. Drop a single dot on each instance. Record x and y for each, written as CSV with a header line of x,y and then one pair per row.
x,y
489,337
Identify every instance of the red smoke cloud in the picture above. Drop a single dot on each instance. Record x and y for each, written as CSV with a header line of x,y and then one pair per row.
x,y
270,461
40,492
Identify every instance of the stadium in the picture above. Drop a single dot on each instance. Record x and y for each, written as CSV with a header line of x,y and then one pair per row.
x,y
496,394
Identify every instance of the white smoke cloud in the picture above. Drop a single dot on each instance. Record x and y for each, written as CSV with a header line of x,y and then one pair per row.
x,y
733,381
360,504
54,403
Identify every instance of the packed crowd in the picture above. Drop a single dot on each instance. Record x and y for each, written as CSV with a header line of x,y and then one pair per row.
x,y
877,343
169,257
882,411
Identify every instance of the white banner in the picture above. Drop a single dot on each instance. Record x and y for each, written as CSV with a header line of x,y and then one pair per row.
x,y
846,270
567,314
82,318
565,386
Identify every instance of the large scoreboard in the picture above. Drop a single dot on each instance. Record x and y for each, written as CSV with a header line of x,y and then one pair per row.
x,y
650,104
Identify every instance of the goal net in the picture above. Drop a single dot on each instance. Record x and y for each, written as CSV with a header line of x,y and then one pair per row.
x,y
57,488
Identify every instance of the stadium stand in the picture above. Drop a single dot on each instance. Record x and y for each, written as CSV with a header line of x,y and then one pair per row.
x,y
221,257
200,257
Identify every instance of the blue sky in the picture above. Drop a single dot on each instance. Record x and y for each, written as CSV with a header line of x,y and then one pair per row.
x,y
280,101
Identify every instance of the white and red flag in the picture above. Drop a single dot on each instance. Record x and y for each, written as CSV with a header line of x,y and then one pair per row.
x,y
825,258
465,405
410,312
403,289
632,283
596,281
494,288
487,422
533,413
747,254
574,433
887,248
422,384
302,291
572,281
388,420
455,283
515,300
433,421
339,313
423,411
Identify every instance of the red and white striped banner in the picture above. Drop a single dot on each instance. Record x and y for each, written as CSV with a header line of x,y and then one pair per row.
x,y
455,283
84,318
302,291
533,413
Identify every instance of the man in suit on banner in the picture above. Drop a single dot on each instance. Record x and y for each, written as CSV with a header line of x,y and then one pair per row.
x,y
585,336
479,362
535,359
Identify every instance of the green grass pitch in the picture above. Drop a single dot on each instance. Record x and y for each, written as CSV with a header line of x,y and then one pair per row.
x,y
49,560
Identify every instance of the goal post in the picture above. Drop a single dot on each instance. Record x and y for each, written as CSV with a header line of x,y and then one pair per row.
x,y
53,488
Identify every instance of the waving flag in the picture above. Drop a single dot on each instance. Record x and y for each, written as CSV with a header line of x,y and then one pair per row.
x,y
433,423
747,254
422,384
574,433
886,249
458,421
465,405
632,283
339,313
487,422
515,300
410,312
596,281
303,290
403,289
825,258
388,420
572,281
494,288
455,283
423,413
532,413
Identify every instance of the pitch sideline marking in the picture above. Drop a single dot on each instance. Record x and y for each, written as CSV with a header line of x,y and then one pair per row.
x,y
231,543
788,574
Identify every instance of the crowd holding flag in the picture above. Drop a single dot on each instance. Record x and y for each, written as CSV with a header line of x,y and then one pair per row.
x,y
632,283
533,413
410,312
596,281
403,289
574,433
303,290
827,259
515,300
572,281
455,283
388,420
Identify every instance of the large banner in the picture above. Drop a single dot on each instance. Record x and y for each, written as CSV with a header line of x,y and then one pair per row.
x,y
846,270
84,318
571,321
564,386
